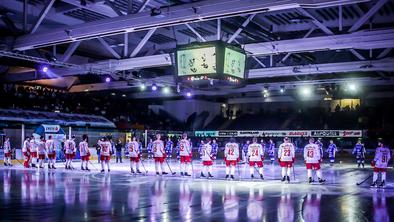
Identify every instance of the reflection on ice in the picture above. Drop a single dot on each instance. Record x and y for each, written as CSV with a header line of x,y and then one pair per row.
x,y
230,202
311,207
254,209
380,208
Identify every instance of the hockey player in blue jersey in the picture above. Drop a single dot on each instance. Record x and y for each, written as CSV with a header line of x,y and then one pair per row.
x,y
320,144
331,150
359,151
271,151
245,148
168,148
149,148
200,146
215,148
177,149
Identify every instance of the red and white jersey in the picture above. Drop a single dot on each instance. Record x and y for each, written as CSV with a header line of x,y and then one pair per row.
x,y
255,152
33,145
231,151
50,146
312,153
69,146
26,146
41,148
206,152
286,152
84,148
184,148
105,148
158,148
382,157
133,149
7,147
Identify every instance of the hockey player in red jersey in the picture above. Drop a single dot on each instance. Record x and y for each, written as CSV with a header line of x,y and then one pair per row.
x,y
70,149
134,154
185,152
26,152
159,154
33,151
85,152
207,158
51,152
255,156
105,154
231,157
313,159
379,163
286,158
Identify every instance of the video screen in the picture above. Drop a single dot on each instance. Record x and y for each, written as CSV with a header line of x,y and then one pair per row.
x,y
196,61
234,63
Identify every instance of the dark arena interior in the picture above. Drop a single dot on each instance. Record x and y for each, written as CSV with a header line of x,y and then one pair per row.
x,y
188,110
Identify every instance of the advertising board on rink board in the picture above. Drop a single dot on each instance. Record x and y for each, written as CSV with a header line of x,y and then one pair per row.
x,y
279,133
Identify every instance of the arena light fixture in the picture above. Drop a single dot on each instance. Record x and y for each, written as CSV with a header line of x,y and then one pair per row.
x,y
154,87
265,90
282,89
306,91
44,69
189,94
142,86
166,90
107,79
352,87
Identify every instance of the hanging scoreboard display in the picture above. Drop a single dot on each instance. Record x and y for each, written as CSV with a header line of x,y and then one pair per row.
x,y
210,63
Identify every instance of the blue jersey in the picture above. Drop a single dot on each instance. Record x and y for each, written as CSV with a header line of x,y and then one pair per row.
x,y
245,148
168,147
140,147
331,150
359,150
271,149
200,147
149,147
215,148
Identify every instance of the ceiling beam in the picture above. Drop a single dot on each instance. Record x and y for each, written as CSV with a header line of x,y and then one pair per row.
x,y
70,50
176,15
108,47
42,15
316,22
142,42
196,33
239,30
111,4
367,15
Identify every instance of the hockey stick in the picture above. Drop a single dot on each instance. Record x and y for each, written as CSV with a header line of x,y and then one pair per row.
x,y
173,173
93,165
359,183
293,172
239,172
143,166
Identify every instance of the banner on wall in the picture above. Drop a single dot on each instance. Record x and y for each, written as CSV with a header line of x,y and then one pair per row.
x,y
279,133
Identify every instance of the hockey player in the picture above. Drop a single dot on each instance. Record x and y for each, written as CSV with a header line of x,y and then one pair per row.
x,y
200,146
159,154
207,158
105,154
169,146
33,151
245,148
51,152
185,152
41,151
231,157
215,148
271,150
7,152
135,155
85,152
359,151
26,152
313,159
255,156
379,163
70,148
286,158
149,148
320,144
331,150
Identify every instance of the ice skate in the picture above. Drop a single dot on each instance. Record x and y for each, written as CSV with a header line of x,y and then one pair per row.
x,y
373,185
227,176
210,175
321,181
283,179
232,177
262,176
202,174
382,184
288,179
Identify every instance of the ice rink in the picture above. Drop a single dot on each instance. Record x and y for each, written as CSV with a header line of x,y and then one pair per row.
x,y
64,195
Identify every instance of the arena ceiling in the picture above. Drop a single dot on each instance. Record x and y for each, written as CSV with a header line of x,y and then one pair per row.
x,y
289,43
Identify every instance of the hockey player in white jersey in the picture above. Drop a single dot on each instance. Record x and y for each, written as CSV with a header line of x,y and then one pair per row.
x,y
286,158
313,158
105,154
26,152
51,152
231,157
33,151
70,149
41,151
255,156
185,153
7,152
207,158
159,154
85,152
134,154
379,163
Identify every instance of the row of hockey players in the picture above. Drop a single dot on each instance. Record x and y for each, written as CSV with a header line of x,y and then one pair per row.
x,y
42,149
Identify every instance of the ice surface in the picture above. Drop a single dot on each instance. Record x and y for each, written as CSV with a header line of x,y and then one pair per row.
x,y
63,195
